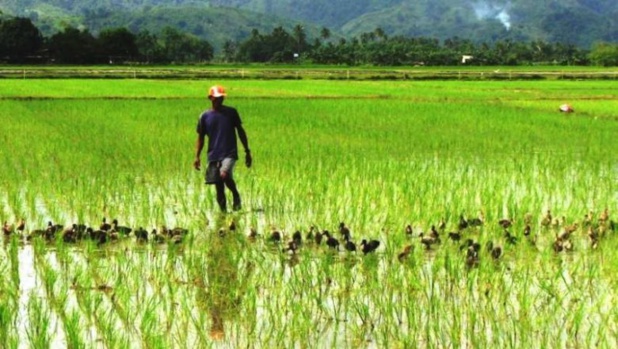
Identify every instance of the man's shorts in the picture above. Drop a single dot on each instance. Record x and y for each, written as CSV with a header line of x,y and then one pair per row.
x,y
227,165
216,168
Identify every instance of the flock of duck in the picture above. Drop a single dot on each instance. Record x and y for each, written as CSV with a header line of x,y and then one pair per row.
x,y
558,230
314,236
105,232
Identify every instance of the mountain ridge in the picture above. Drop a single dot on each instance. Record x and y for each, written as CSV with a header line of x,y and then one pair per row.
x,y
579,22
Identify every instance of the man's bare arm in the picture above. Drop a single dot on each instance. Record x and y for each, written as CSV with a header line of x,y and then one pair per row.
x,y
199,145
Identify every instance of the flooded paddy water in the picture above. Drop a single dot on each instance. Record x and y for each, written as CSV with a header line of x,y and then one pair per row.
x,y
431,154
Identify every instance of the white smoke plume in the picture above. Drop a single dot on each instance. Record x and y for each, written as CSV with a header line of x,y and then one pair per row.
x,y
487,9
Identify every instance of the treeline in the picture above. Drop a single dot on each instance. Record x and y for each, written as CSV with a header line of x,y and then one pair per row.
x,y
22,43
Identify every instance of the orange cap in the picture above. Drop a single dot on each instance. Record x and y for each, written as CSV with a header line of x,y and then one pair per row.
x,y
216,91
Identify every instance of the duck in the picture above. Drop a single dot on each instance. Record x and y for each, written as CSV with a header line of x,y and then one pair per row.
x,y
604,217
474,249
369,246
119,229
560,245
178,231
275,236
50,232
442,224
7,228
434,233
527,230
36,233
309,236
511,239
21,226
455,236
566,232
477,221
505,223
472,261
69,235
463,223
547,219
81,230
344,231
427,241
318,238
405,253
594,237
297,237
292,247
408,230
349,246
588,218
253,234
53,228
141,235
104,225
496,252
331,241
100,236
472,255
571,228
157,236
558,222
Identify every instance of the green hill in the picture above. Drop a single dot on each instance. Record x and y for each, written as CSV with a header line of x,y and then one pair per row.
x,y
580,22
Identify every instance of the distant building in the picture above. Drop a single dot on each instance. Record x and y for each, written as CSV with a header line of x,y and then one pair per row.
x,y
466,58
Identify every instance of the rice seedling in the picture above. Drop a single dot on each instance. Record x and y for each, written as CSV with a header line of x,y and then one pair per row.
x,y
379,157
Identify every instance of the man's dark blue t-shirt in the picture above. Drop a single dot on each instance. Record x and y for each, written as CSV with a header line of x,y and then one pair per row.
x,y
220,127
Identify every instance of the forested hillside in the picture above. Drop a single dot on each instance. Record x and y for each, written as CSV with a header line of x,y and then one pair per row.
x,y
579,22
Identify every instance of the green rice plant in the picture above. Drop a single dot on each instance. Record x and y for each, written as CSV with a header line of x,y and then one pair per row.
x,y
39,330
326,151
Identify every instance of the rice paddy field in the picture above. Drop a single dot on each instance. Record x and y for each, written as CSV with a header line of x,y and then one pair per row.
x,y
522,199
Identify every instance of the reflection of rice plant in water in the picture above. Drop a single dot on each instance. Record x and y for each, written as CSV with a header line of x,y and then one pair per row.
x,y
488,216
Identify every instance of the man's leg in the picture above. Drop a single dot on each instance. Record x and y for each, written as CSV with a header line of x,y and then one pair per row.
x,y
231,185
227,171
221,196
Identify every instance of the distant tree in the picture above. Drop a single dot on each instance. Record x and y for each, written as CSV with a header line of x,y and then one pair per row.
x,y
541,51
148,47
380,34
73,46
325,33
202,50
301,38
279,46
229,50
173,42
253,49
604,54
181,47
19,39
118,44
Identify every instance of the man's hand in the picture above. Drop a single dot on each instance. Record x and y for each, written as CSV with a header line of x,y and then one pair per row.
x,y
248,159
196,163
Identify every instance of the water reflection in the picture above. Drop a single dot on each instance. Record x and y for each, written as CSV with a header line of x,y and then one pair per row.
x,y
225,283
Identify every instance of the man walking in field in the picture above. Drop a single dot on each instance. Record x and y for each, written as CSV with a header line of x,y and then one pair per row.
x,y
220,124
